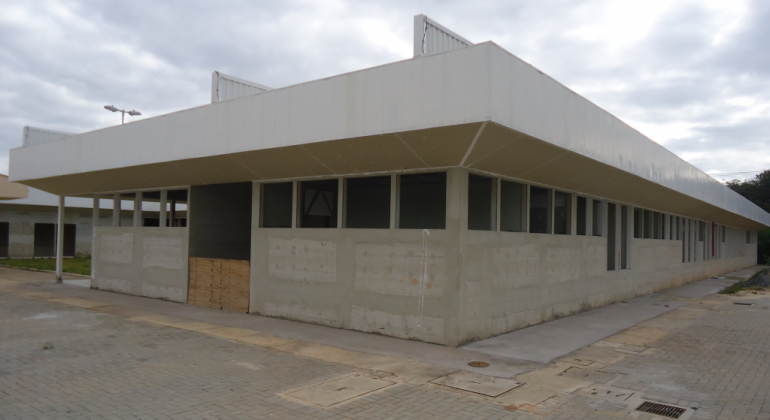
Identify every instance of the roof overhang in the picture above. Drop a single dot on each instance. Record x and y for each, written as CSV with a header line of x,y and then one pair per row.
x,y
11,190
417,114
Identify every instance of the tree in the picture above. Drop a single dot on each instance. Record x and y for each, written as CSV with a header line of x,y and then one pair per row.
x,y
757,190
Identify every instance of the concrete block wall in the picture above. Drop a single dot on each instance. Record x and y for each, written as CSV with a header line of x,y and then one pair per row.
x,y
391,282
454,285
396,282
513,280
142,261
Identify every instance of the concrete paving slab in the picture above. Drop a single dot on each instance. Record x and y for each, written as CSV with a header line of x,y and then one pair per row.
x,y
480,384
334,392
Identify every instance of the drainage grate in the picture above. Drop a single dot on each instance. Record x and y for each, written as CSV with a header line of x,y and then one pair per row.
x,y
478,364
661,410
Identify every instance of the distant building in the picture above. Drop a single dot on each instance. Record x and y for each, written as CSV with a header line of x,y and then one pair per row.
x,y
447,198
28,225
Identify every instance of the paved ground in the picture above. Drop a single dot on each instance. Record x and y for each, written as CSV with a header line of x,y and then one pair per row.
x,y
67,352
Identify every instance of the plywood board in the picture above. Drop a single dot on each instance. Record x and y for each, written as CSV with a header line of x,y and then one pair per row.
x,y
219,284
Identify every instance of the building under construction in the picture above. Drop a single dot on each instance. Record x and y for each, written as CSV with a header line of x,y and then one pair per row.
x,y
449,197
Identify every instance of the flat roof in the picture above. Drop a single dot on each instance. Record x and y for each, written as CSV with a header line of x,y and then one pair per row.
x,y
463,102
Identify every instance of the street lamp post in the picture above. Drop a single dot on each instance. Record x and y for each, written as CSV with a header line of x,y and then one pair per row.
x,y
123,113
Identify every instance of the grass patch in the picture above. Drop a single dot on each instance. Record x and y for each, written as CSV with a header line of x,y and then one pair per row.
x,y
77,265
758,281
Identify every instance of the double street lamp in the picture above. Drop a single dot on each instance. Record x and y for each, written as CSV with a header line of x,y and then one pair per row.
x,y
132,113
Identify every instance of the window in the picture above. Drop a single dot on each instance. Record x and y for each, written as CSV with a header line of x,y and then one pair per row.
x,y
624,262
655,225
724,236
597,218
562,206
481,213
276,205
582,216
318,203
678,227
367,202
513,200
611,263
663,225
539,210
647,224
422,203
701,231
638,223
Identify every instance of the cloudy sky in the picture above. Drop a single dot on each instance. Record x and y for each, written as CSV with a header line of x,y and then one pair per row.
x,y
691,75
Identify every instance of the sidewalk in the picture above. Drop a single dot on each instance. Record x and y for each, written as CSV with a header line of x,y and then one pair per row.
x,y
663,347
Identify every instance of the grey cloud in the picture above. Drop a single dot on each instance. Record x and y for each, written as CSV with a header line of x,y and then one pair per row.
x,y
157,57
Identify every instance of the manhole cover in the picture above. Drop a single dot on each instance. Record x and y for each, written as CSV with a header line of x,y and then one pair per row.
x,y
661,409
336,391
480,384
478,364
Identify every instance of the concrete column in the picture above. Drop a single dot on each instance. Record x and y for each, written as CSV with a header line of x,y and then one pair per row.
x,y
94,225
163,204
138,210
456,233
116,210
394,201
60,241
95,212
340,203
551,210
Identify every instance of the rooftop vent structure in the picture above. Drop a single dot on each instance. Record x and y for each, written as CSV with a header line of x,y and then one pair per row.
x,y
430,37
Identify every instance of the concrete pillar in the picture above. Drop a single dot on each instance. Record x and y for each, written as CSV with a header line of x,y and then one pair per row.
x,y
60,241
94,225
163,216
456,234
116,210
138,210
394,201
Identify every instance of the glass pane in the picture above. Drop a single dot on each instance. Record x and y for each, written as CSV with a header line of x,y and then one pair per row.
x,y
598,217
512,206
276,205
480,190
561,212
539,210
422,203
318,203
367,205
582,209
